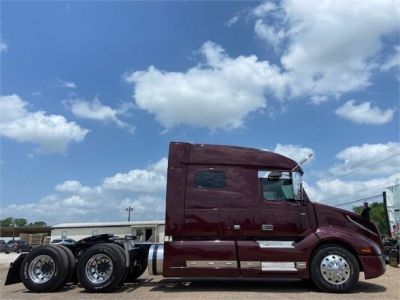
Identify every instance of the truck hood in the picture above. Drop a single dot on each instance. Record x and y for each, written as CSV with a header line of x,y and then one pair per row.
x,y
332,216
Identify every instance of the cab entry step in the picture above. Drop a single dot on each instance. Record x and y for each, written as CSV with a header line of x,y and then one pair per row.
x,y
278,266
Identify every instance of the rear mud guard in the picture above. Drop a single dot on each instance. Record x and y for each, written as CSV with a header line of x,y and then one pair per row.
x,y
14,271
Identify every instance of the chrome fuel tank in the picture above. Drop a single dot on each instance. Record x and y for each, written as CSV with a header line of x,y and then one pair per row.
x,y
156,259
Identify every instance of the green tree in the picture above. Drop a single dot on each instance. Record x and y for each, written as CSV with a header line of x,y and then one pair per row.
x,y
377,215
20,222
6,222
37,223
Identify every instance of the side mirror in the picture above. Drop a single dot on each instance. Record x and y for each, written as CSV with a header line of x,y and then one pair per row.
x,y
275,175
297,189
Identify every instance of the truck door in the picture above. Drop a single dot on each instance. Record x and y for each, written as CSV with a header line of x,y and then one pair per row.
x,y
268,243
201,250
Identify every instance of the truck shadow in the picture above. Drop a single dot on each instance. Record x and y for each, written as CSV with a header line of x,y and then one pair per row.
x,y
238,285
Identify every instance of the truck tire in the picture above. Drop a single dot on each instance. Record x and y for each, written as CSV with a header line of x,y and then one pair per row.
x,y
44,269
101,268
334,269
72,263
122,251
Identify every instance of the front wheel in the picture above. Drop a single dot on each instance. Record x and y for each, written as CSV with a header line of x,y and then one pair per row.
x,y
334,269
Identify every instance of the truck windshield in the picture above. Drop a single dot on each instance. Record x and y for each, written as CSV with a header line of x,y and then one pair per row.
x,y
280,186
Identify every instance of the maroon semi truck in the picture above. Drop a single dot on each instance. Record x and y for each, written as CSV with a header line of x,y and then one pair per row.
x,y
231,212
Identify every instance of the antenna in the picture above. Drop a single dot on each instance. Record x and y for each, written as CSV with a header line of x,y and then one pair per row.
x,y
303,161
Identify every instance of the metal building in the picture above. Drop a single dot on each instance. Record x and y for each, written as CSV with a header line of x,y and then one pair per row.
x,y
146,231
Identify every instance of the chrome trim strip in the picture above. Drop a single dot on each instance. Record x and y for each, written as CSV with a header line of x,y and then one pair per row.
x,y
217,264
301,265
361,226
250,264
276,244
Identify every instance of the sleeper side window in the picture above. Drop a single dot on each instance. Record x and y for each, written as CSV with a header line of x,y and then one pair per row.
x,y
210,179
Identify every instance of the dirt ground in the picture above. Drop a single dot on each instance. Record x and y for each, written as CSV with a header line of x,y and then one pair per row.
x,y
156,287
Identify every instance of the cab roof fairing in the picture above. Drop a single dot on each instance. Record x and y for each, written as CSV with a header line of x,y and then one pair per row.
x,y
204,154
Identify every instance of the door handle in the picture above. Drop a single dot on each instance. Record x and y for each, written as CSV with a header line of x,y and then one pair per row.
x,y
267,227
236,227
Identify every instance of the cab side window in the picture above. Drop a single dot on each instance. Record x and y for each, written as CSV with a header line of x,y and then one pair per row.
x,y
277,186
210,179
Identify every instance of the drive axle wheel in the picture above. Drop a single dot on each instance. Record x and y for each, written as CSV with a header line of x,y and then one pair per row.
x,y
45,269
334,269
72,263
101,268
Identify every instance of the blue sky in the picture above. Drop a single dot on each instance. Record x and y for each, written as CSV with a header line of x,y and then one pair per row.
x,y
92,93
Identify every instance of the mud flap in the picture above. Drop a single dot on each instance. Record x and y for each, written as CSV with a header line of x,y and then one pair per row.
x,y
13,273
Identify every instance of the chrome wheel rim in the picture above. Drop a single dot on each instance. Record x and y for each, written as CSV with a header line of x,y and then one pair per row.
x,y
99,268
41,269
335,269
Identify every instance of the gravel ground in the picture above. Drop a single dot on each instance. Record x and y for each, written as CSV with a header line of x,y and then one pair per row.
x,y
156,287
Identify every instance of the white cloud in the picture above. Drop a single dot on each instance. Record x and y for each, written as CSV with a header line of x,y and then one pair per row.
x,y
232,21
66,84
96,111
74,186
142,204
272,35
37,93
363,171
3,47
160,167
75,201
326,51
364,113
318,99
150,180
52,132
295,152
264,8
143,189
339,191
330,49
392,62
220,93
369,160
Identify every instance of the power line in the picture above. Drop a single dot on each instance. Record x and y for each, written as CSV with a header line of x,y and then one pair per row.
x,y
359,200
378,154
367,190
365,163
359,168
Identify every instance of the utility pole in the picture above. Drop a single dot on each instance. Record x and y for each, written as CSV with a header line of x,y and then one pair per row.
x,y
387,223
129,209
13,225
